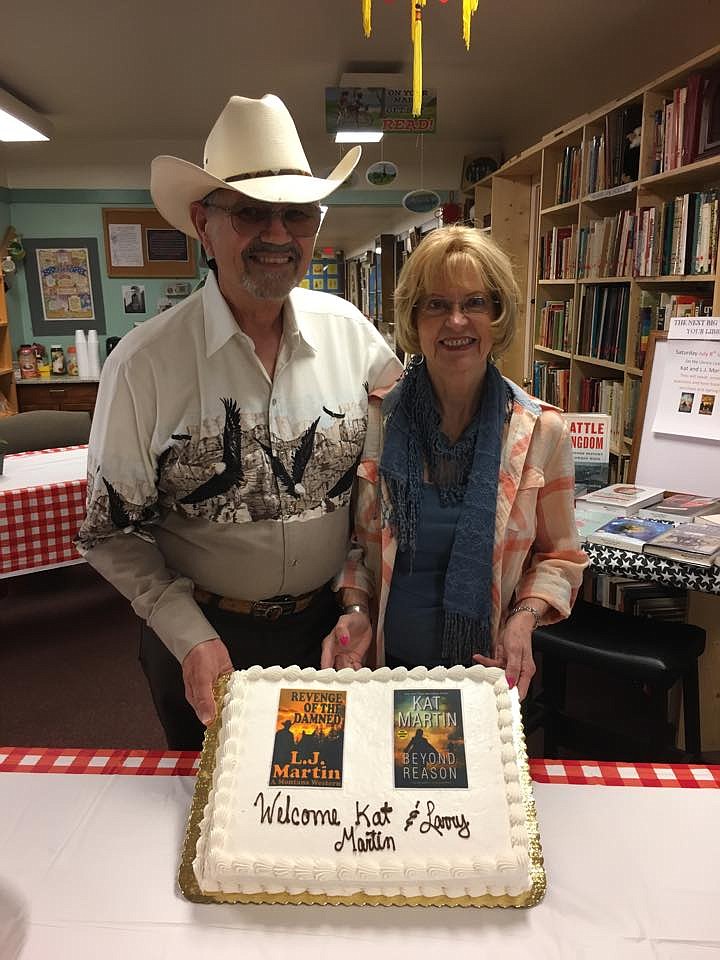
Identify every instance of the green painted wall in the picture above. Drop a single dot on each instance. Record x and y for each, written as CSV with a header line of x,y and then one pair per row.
x,y
68,214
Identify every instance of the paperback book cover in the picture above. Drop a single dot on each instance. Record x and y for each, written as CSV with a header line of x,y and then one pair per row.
x,y
629,533
309,734
682,506
590,439
428,739
625,495
690,543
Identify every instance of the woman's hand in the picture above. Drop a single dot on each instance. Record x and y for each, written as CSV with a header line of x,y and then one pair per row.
x,y
348,642
513,652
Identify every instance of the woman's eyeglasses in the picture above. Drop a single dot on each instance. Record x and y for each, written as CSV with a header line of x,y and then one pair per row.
x,y
301,220
475,306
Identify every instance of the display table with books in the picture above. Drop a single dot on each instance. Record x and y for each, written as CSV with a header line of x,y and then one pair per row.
x,y
645,566
643,533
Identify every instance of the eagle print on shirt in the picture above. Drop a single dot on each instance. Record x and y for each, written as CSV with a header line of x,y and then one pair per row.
x,y
232,469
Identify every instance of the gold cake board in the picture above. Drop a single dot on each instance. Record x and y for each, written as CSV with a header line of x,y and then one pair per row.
x,y
191,890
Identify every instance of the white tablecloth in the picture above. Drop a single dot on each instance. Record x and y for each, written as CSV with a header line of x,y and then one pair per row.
x,y
33,470
633,874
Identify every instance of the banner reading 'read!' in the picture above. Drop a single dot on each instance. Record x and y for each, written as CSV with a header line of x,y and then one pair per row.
x,y
378,109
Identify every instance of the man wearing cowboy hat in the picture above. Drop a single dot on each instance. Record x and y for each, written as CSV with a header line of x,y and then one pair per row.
x,y
228,430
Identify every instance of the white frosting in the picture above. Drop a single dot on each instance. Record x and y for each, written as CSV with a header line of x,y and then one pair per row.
x,y
237,853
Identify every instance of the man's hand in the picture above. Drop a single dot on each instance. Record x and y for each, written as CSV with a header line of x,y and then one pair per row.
x,y
348,642
201,668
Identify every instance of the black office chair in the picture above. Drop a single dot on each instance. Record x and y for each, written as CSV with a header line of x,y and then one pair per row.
x,y
655,652
41,429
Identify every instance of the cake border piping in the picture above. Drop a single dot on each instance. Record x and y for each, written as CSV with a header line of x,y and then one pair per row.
x,y
190,888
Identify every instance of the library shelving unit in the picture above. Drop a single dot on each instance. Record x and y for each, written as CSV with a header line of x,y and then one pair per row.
x,y
612,225
8,394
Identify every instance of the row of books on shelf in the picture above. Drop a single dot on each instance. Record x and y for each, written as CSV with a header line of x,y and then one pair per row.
x,y
555,325
557,254
678,238
551,383
614,152
656,310
682,125
606,246
637,598
601,332
567,175
602,326
599,426
679,526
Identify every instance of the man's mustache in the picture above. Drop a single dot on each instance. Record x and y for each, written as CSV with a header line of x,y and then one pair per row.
x,y
273,248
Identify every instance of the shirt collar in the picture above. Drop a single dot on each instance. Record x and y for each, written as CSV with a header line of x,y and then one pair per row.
x,y
220,324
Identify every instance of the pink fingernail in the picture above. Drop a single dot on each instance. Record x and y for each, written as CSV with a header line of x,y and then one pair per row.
x,y
511,682
344,641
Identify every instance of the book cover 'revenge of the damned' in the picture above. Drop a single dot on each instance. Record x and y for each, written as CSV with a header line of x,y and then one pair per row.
x,y
309,733
428,739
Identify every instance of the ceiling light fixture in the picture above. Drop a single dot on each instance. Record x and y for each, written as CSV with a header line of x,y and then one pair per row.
x,y
18,122
358,136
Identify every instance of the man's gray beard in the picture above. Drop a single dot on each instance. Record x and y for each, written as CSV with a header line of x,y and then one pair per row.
x,y
270,286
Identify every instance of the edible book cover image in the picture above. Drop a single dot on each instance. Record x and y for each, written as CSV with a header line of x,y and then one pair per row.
x,y
309,736
428,739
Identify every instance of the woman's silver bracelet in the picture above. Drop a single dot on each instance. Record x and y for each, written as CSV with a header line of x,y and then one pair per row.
x,y
519,607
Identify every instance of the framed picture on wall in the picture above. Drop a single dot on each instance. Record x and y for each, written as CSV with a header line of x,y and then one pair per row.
x,y
63,285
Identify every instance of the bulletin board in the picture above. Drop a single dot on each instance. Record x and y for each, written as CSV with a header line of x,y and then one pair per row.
x,y
139,242
680,464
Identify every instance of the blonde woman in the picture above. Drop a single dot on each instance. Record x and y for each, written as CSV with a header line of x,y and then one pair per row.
x,y
465,539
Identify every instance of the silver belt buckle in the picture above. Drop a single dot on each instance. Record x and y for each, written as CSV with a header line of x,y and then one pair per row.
x,y
269,611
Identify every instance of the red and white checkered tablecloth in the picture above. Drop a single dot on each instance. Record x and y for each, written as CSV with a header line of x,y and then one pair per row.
x,y
185,764
39,522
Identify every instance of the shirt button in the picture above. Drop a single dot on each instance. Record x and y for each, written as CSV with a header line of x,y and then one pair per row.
x,y
274,402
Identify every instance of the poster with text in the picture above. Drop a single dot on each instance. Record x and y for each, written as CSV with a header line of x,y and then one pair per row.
x,y
689,404
65,283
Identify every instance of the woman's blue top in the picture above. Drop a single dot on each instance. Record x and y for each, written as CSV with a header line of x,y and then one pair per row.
x,y
414,615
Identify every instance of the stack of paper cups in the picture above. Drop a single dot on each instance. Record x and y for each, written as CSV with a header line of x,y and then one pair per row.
x,y
81,349
93,351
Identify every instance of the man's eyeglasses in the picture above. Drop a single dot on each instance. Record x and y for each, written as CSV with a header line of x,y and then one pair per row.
x,y
301,220
474,307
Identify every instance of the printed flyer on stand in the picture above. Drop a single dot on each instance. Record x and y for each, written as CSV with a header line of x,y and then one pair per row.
x,y
689,404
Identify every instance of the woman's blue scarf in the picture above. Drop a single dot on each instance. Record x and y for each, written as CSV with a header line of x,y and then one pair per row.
x,y
465,472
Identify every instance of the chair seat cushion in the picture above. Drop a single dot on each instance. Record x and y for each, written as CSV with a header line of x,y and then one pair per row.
x,y
632,646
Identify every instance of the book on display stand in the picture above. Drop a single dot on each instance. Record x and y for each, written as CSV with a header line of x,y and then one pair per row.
x,y
629,497
629,533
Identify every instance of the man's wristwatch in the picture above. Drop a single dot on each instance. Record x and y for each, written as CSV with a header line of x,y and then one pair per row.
x,y
519,607
356,608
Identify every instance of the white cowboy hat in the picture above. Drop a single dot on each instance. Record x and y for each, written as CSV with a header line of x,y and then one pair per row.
x,y
253,148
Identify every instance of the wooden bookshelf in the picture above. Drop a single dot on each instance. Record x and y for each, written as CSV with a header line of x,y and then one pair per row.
x,y
558,191
8,394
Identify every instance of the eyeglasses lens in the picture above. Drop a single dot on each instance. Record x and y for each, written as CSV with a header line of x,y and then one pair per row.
x,y
301,221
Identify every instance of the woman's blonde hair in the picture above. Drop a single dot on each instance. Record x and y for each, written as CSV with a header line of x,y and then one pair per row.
x,y
439,259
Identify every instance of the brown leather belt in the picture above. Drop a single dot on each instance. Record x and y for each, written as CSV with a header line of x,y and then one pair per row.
x,y
271,609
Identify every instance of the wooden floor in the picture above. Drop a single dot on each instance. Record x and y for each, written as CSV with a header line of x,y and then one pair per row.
x,y
69,673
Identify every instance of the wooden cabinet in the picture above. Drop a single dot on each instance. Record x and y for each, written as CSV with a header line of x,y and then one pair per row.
x,y
604,246
57,396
